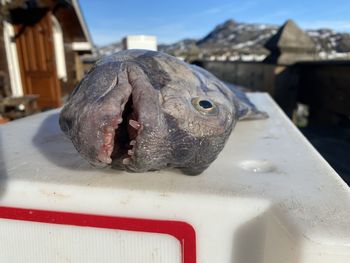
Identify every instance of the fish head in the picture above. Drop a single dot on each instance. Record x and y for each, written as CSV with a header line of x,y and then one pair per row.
x,y
154,111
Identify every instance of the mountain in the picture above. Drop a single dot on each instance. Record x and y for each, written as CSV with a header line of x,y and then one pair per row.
x,y
228,41
330,44
233,40
243,41
181,47
110,49
238,36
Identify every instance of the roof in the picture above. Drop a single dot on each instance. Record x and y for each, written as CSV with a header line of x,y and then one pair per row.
x,y
69,14
76,5
290,36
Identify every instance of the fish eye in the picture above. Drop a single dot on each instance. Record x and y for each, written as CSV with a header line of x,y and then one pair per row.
x,y
204,106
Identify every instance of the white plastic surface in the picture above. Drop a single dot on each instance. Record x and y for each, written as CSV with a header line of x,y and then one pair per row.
x,y
269,197
34,242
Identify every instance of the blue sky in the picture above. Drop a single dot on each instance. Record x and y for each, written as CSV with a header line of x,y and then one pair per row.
x,y
170,21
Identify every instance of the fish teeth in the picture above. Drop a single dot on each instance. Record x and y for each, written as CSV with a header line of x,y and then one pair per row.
x,y
130,152
134,124
127,161
109,129
108,137
105,159
133,142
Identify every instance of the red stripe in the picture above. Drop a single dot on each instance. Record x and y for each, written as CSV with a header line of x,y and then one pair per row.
x,y
182,231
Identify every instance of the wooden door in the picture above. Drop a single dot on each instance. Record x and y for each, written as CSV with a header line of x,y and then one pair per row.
x,y
37,61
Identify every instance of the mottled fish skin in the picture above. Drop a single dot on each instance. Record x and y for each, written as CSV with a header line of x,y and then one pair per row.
x,y
168,127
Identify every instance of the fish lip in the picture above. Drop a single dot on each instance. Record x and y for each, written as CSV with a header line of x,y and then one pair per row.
x,y
108,138
119,137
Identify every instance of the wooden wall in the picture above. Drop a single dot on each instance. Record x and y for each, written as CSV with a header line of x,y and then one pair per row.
x,y
5,87
72,32
66,17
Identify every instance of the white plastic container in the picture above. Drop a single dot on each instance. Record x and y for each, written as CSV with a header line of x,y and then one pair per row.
x,y
269,197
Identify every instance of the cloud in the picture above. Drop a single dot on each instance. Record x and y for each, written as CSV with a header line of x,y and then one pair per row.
x,y
231,8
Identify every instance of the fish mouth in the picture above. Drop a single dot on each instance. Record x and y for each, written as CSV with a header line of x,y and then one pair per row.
x,y
120,136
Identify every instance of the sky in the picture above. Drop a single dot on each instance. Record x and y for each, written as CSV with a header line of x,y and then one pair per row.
x,y
171,21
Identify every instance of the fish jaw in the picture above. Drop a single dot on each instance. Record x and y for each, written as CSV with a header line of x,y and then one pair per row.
x,y
104,132
112,127
146,127
92,126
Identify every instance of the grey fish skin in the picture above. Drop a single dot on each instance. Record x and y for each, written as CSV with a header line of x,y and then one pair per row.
x,y
144,110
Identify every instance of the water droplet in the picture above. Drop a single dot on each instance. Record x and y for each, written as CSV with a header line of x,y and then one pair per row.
x,y
257,166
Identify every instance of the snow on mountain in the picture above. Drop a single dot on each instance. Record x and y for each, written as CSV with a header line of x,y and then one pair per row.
x,y
233,40
110,49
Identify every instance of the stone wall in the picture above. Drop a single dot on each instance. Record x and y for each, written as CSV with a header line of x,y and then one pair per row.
x,y
325,87
253,75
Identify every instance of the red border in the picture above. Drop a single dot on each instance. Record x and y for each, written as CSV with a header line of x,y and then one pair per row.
x,y
182,231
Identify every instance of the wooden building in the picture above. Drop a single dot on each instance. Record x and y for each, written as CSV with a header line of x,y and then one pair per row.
x,y
41,44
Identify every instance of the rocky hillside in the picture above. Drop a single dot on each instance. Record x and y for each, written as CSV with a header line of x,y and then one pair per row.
x,y
111,48
242,41
249,38
330,43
